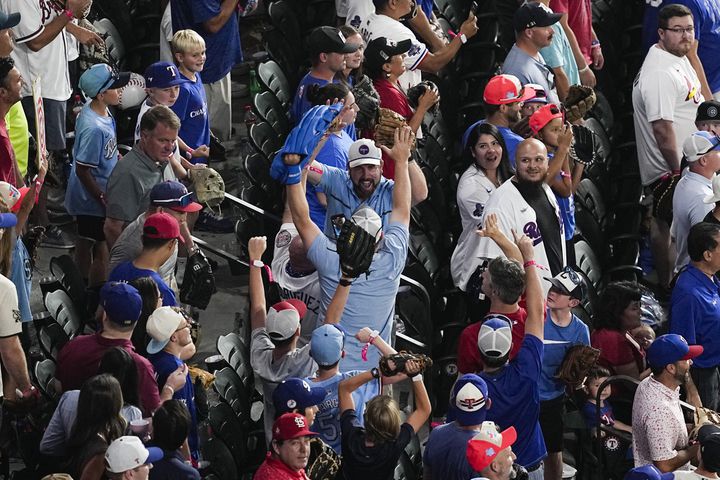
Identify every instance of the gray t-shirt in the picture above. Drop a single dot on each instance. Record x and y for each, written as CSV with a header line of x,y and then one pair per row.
x,y
529,70
297,363
129,245
128,189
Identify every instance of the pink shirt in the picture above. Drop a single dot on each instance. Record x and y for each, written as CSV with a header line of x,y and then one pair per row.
x,y
658,425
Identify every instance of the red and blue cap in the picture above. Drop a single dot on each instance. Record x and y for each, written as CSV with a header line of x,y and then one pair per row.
x,y
469,400
175,196
671,348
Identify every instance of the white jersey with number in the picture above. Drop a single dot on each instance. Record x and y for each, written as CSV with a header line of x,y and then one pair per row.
x,y
666,88
50,62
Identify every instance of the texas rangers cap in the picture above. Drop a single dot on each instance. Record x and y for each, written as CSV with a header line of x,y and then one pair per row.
x,y
364,152
485,446
291,425
532,14
329,40
469,400
163,75
283,319
128,452
543,116
495,336
671,348
8,20
699,144
380,50
648,472
708,111
504,89
296,393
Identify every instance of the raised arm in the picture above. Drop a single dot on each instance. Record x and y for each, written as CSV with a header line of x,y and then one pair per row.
x,y
492,231
349,385
258,310
401,191
422,402
299,208
337,304
533,289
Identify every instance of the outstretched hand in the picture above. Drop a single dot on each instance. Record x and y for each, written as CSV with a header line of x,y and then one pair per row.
x,y
490,228
400,151
256,247
525,245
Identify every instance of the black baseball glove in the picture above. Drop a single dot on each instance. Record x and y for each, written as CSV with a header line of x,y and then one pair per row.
x,y
198,284
414,93
356,248
368,102
583,147
396,363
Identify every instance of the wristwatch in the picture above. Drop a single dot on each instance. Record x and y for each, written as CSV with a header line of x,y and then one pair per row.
x,y
463,38
375,373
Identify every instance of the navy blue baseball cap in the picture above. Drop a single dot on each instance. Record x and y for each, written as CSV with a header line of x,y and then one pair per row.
x,y
163,75
9,20
469,400
648,472
175,196
295,393
122,303
671,348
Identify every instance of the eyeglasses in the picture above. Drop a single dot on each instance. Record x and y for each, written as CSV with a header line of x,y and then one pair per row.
x,y
572,274
185,325
183,201
680,30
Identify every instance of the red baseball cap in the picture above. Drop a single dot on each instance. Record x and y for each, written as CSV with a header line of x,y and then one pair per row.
x,y
162,226
486,445
504,89
543,116
291,425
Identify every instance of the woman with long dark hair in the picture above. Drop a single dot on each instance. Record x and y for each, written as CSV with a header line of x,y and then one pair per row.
x,y
151,301
120,364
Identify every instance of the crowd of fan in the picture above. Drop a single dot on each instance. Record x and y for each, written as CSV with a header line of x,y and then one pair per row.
x,y
311,351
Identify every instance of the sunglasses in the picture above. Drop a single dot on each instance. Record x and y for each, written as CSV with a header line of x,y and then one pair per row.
x,y
114,77
183,201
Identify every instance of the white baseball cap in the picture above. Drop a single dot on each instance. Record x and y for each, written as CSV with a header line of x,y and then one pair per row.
x,y
495,336
368,219
364,152
128,452
699,144
283,319
160,326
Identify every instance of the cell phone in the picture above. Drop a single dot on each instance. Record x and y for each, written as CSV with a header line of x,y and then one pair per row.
x,y
474,8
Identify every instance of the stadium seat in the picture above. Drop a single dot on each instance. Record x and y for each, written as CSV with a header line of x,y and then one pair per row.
x,y
66,271
61,307
46,381
275,80
256,167
285,20
265,139
231,389
222,464
52,338
268,107
226,425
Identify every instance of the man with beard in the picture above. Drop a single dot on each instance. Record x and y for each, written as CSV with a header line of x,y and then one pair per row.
x,y
666,95
525,204
660,436
533,32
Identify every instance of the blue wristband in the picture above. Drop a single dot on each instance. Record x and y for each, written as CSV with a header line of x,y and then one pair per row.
x,y
294,174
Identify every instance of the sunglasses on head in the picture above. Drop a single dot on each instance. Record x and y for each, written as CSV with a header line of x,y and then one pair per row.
x,y
183,201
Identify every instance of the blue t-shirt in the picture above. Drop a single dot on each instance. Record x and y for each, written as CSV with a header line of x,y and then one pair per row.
x,y
127,272
21,276
512,139
222,48
334,154
559,54
695,314
164,364
706,18
327,419
589,411
515,396
529,70
191,108
445,452
173,467
557,342
341,197
371,302
95,147
301,104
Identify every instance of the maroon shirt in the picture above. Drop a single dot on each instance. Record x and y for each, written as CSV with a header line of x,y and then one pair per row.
x,y
468,355
80,358
393,98
7,157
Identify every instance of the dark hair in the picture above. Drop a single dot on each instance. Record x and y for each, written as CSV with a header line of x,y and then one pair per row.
x,y
6,64
120,364
670,11
491,109
356,73
318,95
171,424
148,290
98,412
375,72
505,170
154,243
701,238
508,279
159,114
597,371
613,301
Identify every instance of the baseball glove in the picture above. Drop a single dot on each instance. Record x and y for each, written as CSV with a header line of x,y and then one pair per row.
x,y
388,121
576,364
368,102
198,284
323,462
663,197
208,185
414,93
704,416
302,141
580,99
393,364
355,247
583,147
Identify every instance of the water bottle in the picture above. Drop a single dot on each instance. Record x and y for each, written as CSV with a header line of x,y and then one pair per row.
x,y
254,84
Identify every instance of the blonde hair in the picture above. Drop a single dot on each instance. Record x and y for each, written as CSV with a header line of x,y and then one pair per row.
x,y
184,40
382,419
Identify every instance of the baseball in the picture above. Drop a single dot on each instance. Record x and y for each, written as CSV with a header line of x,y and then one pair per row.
x,y
132,94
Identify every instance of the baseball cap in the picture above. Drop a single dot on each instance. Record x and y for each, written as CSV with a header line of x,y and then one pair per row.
x,y
379,51
122,302
128,452
503,89
8,20
283,318
296,393
540,94
715,196
495,336
469,399
708,111
173,195
648,472
569,283
329,40
532,14
101,77
161,325
163,75
364,152
12,196
326,345
671,348
544,115
289,426
485,446
368,219
699,144
709,437
161,226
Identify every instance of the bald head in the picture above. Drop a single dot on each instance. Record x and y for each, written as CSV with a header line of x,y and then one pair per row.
x,y
531,161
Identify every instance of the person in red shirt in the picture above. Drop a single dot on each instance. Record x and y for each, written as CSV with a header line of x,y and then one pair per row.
x,y
289,450
11,83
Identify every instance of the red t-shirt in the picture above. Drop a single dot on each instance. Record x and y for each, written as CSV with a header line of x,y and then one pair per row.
x,y
468,355
616,349
392,98
579,14
272,469
7,157
80,358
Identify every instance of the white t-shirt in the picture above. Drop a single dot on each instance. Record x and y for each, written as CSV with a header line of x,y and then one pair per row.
x,y
168,173
341,7
166,34
688,209
50,62
667,88
473,192
679,475
375,26
10,321
305,288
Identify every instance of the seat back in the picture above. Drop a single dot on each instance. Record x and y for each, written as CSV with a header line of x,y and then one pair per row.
x,y
61,307
285,21
52,338
270,109
588,263
264,139
45,377
275,80
66,271
221,460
